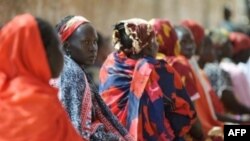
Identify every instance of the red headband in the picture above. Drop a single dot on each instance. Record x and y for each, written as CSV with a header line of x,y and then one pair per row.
x,y
67,29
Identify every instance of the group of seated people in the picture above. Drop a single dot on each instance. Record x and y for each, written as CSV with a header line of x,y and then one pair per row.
x,y
162,82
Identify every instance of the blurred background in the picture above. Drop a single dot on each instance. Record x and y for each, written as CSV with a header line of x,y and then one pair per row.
x,y
104,13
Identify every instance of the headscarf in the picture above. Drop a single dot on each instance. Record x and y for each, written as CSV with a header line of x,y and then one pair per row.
x,y
166,37
29,107
240,41
219,36
169,50
70,26
196,29
139,31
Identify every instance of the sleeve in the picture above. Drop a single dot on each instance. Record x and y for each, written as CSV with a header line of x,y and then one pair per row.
x,y
72,86
226,83
188,79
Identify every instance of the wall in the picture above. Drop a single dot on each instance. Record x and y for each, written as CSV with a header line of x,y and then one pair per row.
x,y
104,13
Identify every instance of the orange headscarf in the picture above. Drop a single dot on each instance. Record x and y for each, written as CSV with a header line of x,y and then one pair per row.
x,y
29,107
166,37
196,29
240,41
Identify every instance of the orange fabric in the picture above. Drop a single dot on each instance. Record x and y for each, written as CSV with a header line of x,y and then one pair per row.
x,y
196,29
29,107
217,104
203,111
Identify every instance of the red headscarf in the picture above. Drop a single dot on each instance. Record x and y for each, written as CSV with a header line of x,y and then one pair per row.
x,y
166,37
196,29
29,107
240,41
67,29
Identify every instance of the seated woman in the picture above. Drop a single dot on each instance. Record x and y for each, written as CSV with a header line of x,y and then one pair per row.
x,y
170,50
220,79
29,106
88,113
146,95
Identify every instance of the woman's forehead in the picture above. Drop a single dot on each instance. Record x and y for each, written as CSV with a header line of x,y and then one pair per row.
x,y
85,31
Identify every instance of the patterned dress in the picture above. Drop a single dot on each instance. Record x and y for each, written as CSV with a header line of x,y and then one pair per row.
x,y
87,111
139,93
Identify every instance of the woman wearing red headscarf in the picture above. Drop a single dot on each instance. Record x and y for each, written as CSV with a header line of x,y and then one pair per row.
x,y
29,107
241,45
170,51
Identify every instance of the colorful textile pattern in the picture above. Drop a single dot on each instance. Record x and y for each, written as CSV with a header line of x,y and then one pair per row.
x,y
240,41
188,77
166,37
71,26
169,51
196,29
140,98
29,106
139,31
219,79
115,78
84,105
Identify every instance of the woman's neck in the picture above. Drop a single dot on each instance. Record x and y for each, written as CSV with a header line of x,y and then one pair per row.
x,y
201,63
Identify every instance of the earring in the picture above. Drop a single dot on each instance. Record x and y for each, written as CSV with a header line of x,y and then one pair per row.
x,y
68,53
66,45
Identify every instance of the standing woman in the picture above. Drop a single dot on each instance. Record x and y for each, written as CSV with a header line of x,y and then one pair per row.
x,y
147,96
29,106
89,115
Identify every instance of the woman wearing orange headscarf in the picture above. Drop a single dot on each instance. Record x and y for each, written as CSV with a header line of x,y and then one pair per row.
x,y
170,51
29,107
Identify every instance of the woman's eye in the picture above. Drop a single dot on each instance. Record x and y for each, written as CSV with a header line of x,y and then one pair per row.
x,y
87,42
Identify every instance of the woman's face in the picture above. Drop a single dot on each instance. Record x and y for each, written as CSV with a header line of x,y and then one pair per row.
x,y
187,43
225,49
83,45
207,50
152,49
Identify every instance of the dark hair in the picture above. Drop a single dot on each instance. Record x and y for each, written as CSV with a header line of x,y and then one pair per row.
x,y
181,28
46,32
100,39
63,22
124,38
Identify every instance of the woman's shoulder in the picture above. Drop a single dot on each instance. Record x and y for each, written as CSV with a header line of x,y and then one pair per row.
x,y
71,72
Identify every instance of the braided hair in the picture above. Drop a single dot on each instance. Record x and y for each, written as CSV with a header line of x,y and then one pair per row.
x,y
63,22
125,41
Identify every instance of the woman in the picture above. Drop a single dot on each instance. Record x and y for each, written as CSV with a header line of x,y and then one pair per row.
x,y
197,31
219,79
170,51
88,113
240,53
150,105
30,109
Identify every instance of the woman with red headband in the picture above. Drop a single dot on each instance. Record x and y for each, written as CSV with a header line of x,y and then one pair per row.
x,y
88,113
29,106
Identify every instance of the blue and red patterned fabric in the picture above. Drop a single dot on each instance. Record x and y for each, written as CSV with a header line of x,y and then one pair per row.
x,y
138,93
